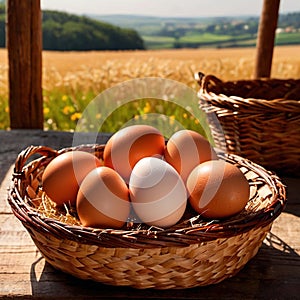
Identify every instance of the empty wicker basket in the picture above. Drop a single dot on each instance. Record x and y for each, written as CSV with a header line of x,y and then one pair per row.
x,y
194,252
260,119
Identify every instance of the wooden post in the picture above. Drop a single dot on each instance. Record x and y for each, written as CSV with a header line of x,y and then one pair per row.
x,y
266,38
24,43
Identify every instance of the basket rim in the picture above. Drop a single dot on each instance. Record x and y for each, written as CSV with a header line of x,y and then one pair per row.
x,y
272,105
183,234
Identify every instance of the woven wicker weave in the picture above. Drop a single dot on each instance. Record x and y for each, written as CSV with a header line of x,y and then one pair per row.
x,y
260,119
195,252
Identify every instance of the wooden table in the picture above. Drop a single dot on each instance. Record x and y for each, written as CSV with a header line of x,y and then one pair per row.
x,y
274,273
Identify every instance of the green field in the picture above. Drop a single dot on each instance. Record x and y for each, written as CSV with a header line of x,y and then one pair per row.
x,y
196,41
288,38
158,42
204,38
214,40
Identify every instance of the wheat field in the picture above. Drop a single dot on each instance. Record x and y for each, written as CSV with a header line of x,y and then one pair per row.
x,y
68,76
105,68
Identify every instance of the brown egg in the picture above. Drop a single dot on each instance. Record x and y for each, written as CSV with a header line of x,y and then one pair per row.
x,y
186,149
103,199
217,189
127,146
63,175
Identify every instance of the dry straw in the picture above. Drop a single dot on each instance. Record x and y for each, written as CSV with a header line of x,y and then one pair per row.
x,y
194,252
260,119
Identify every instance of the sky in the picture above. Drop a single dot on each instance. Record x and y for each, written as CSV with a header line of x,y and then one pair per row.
x,y
167,8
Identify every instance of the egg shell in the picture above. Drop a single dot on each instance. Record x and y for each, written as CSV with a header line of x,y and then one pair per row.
x,y
103,199
130,144
217,189
186,149
63,175
157,192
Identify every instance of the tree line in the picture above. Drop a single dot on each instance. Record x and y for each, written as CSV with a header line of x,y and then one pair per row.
x,y
62,31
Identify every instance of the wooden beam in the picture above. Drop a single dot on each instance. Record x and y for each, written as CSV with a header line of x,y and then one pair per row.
x,y
24,43
266,38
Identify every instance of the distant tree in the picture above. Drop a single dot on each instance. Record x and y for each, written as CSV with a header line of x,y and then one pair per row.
x,y
211,28
290,19
133,39
62,31
252,26
51,34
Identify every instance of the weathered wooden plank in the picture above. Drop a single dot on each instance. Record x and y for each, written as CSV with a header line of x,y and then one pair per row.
x,y
286,229
4,206
13,236
17,261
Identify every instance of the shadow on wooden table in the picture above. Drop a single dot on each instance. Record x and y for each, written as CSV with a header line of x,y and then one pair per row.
x,y
266,276
5,165
293,195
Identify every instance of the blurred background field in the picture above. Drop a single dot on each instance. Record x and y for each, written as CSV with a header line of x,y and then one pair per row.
x,y
72,79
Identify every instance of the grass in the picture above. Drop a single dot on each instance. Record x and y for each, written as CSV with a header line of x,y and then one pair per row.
x,y
158,39
200,40
204,38
195,40
158,42
288,38
71,80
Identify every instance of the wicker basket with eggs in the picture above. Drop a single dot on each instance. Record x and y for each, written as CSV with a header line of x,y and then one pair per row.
x,y
144,212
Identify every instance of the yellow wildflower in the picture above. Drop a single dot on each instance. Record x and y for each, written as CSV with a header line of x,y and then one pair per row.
x,y
46,110
64,98
147,108
66,110
76,116
172,119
